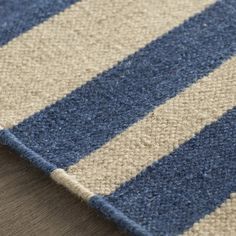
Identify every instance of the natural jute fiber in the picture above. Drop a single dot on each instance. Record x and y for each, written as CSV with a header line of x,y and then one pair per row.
x,y
131,105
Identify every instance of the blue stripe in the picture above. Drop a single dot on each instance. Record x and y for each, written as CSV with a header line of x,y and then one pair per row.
x,y
94,113
7,138
18,16
172,194
117,216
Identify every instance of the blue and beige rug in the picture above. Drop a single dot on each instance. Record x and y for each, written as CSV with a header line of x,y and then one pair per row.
x,y
130,104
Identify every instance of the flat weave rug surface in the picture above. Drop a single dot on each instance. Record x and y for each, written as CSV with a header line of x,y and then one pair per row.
x,y
130,104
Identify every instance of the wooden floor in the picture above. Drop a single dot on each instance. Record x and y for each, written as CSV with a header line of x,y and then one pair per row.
x,y
32,204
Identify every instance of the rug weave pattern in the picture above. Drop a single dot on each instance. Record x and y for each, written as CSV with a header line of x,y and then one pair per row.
x,y
131,105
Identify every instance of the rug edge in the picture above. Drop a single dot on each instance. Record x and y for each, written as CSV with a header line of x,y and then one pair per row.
x,y
117,216
60,176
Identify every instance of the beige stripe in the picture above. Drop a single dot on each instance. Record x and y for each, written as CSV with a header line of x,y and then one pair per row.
x,y
44,64
61,177
159,133
222,222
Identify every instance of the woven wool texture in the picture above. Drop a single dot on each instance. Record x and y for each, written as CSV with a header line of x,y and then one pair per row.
x,y
131,105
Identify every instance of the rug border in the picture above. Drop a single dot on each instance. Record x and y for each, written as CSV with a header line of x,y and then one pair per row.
x,y
61,177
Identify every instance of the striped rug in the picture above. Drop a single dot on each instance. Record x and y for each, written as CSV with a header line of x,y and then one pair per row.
x,y
130,104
